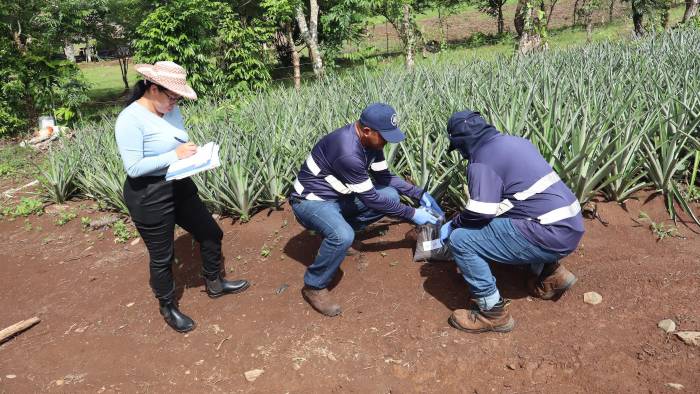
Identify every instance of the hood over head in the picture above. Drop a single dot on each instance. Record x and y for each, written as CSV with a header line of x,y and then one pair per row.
x,y
467,130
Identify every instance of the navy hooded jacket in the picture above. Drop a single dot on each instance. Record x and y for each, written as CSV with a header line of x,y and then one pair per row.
x,y
508,178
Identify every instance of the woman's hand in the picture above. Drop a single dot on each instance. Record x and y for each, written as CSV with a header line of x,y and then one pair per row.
x,y
186,150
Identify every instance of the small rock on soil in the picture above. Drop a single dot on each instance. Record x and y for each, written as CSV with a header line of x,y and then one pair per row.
x,y
667,325
592,298
253,374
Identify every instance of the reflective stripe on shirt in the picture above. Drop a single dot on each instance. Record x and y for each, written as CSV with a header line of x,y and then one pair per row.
x,y
313,167
335,183
492,208
486,208
380,166
299,188
562,213
538,187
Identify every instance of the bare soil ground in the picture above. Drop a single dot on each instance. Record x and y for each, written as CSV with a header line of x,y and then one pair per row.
x,y
100,330
461,26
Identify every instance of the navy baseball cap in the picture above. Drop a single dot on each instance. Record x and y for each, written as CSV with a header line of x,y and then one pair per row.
x,y
383,118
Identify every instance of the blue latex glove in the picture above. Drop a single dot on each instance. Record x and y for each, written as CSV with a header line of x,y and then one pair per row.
x,y
422,216
445,231
429,202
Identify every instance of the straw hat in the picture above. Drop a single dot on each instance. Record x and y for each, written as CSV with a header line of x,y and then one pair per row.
x,y
169,75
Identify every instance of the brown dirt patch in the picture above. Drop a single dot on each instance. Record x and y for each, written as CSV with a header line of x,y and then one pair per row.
x,y
101,331
460,27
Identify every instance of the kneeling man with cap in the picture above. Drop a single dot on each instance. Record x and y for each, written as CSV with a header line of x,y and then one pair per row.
x,y
335,195
519,212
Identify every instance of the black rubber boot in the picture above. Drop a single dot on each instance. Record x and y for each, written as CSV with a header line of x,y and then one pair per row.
x,y
219,286
176,319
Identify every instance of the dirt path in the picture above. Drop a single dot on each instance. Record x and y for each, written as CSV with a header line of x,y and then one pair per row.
x,y
101,331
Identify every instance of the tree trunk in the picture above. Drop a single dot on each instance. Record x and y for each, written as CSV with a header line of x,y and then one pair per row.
x,y
410,39
638,20
550,13
124,67
296,63
88,51
310,34
519,20
589,28
313,20
530,39
441,21
575,14
691,9
69,51
528,43
499,19
17,36
611,10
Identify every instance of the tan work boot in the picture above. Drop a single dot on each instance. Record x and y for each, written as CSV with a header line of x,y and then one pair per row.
x,y
320,300
552,282
474,321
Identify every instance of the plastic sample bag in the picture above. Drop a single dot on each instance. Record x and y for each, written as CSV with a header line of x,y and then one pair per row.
x,y
428,244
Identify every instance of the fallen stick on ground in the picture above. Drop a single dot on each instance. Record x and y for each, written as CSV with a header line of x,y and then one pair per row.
x,y
222,342
8,193
18,327
78,257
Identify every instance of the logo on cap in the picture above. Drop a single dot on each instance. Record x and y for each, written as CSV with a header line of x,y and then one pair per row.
x,y
394,120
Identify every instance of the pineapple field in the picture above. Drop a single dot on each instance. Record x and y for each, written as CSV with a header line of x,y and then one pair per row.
x,y
611,118
618,121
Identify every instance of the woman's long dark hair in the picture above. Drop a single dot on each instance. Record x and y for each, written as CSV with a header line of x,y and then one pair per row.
x,y
139,90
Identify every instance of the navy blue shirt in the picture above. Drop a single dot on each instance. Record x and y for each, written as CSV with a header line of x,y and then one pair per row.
x,y
509,178
340,166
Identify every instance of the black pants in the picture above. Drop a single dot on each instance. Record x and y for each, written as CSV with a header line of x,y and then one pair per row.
x,y
155,206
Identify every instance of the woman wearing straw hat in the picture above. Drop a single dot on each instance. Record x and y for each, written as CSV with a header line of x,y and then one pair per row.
x,y
151,136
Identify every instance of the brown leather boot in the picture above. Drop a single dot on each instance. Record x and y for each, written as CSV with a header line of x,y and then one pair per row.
x,y
552,282
474,321
320,300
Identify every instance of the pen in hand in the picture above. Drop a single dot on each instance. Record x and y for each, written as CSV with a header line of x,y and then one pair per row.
x,y
185,150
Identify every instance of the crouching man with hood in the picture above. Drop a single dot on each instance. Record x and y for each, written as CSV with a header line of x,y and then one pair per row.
x,y
519,212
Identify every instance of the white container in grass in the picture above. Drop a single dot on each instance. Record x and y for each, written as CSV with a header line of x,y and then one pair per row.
x,y
46,121
47,127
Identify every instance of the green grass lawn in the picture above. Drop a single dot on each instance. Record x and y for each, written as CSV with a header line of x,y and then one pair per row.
x,y
106,80
106,87
17,162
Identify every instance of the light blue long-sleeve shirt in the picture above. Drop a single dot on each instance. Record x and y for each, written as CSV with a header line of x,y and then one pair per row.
x,y
146,141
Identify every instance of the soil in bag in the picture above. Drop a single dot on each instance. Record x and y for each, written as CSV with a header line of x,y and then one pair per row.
x,y
428,244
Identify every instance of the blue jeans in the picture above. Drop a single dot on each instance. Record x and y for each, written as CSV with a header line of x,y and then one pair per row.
x,y
498,241
337,222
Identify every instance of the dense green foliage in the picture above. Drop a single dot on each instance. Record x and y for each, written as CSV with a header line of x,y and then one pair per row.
x,y
611,118
226,45
221,55
34,82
